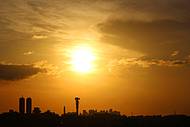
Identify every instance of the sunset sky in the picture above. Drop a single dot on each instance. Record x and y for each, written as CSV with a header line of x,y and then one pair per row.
x,y
128,55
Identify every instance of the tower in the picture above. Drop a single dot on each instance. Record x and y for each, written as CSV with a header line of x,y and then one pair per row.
x,y
77,104
29,105
21,105
64,110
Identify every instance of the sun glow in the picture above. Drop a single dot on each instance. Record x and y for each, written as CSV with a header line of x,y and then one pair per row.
x,y
82,59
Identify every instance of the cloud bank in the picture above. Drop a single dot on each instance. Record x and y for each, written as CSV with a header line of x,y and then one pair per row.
x,y
12,72
155,38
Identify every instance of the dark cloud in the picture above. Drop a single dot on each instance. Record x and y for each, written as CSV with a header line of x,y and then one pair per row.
x,y
12,72
158,37
148,62
122,66
154,9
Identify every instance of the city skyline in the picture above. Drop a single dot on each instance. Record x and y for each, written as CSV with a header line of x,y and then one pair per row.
x,y
25,106
129,55
92,117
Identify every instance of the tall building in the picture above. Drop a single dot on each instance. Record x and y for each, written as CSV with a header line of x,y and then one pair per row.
x,y
64,110
21,105
77,105
29,105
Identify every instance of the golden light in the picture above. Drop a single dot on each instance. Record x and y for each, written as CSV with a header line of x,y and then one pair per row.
x,y
82,59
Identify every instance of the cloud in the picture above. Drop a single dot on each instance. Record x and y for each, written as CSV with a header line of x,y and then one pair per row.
x,y
174,53
28,53
39,37
154,9
155,27
154,38
146,63
12,72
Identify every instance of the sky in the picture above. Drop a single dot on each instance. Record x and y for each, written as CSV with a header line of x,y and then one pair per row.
x,y
128,55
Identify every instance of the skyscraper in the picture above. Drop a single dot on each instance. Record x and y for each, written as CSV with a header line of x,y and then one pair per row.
x,y
64,110
77,104
21,105
29,105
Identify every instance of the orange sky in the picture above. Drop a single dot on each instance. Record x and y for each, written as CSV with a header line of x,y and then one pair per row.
x,y
128,55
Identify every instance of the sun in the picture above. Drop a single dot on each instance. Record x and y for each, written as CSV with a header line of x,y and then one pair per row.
x,y
82,59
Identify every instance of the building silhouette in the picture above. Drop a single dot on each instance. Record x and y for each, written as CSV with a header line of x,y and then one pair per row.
x,y
29,105
77,105
21,105
64,110
90,118
37,110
